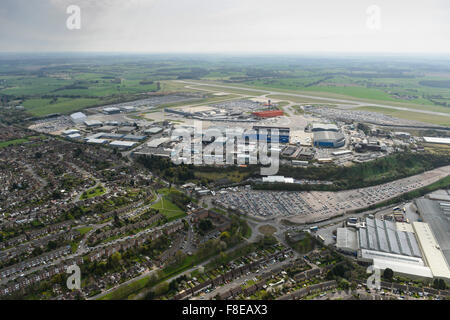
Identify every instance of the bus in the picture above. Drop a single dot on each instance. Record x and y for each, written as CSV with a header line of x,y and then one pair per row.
x,y
315,228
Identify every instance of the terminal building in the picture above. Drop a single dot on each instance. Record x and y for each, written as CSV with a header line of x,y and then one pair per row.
x,y
282,137
329,139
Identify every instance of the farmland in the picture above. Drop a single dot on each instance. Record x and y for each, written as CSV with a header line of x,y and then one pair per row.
x,y
64,84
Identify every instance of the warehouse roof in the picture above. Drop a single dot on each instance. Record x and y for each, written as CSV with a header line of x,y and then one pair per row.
x,y
432,252
346,239
403,267
126,144
437,140
437,215
71,131
78,115
154,130
97,141
157,142
90,123
384,236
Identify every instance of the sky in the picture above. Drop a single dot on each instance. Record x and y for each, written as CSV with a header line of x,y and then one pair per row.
x,y
227,26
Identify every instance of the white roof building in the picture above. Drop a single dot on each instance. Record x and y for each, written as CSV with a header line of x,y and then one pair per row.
x,y
157,142
93,123
70,131
74,136
347,239
78,117
431,251
123,144
97,141
437,140
278,179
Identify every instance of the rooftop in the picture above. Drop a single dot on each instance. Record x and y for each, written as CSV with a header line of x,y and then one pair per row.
x,y
432,252
347,239
437,214
157,142
437,140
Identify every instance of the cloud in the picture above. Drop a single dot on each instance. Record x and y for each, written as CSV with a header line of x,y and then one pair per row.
x,y
225,26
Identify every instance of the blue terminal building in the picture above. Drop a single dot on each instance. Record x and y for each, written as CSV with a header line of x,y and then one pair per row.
x,y
282,137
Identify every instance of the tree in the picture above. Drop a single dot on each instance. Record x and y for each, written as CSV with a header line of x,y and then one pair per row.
x,y
115,259
439,284
205,225
344,284
388,274
52,245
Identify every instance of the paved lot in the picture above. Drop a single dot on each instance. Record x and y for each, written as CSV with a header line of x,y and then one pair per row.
x,y
308,207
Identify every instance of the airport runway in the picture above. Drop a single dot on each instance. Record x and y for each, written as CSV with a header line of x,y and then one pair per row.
x,y
349,104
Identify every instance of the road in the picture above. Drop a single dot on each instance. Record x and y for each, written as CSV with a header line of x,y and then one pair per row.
x,y
238,281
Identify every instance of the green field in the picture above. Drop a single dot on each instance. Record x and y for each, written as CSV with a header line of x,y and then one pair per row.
x,y
93,192
4,144
168,209
84,230
42,107
52,86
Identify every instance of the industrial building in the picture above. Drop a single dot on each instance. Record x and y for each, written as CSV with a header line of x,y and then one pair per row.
x,y
437,214
329,139
70,131
347,240
436,140
127,129
128,108
74,136
78,117
97,141
157,142
134,137
154,130
409,250
123,144
111,110
277,179
93,123
432,251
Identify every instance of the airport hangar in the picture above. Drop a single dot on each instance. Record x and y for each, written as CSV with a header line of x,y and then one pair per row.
x,y
329,139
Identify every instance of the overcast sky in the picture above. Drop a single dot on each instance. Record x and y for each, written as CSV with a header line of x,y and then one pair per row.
x,y
253,26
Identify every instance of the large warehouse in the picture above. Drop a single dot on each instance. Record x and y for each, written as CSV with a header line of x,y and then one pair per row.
x,y
436,213
411,251
329,139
